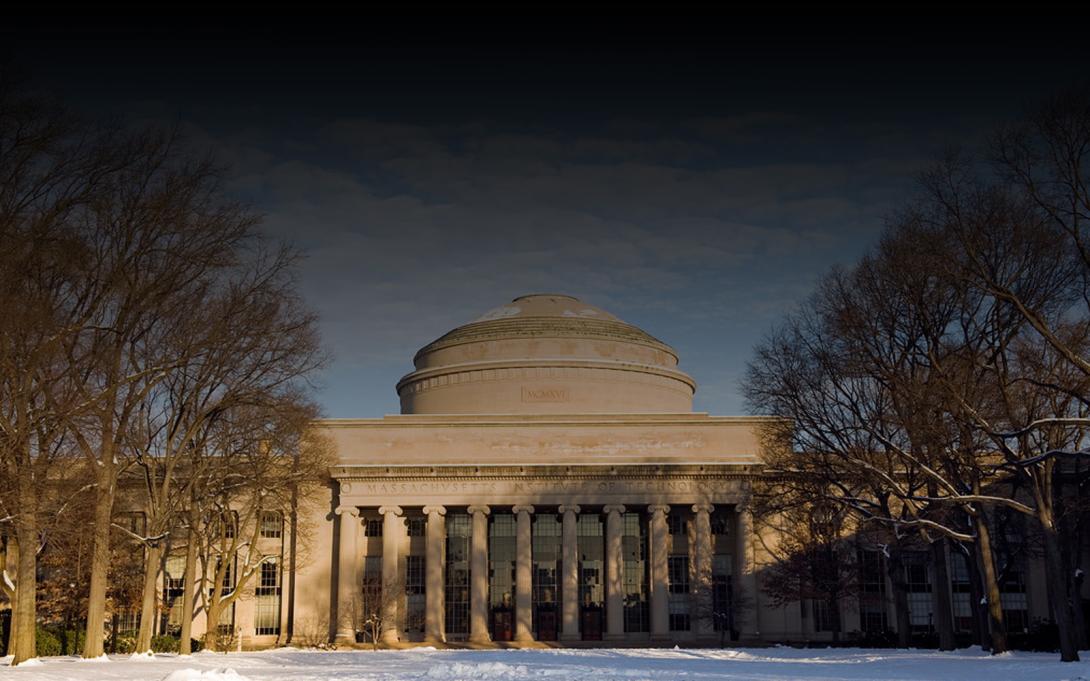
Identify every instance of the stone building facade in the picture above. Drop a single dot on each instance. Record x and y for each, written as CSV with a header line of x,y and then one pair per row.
x,y
547,481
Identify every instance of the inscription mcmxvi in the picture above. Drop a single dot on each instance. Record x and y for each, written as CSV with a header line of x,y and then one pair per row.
x,y
545,394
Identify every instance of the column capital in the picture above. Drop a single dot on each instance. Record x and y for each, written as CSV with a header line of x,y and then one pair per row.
x,y
348,510
396,510
479,509
574,508
441,510
658,508
703,507
619,508
522,509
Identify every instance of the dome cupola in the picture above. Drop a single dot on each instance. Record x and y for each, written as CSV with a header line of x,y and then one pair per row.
x,y
546,354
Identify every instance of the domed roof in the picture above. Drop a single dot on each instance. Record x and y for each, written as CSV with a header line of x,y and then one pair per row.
x,y
546,305
545,315
546,353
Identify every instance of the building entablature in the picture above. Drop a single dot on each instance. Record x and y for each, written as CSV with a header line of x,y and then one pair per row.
x,y
545,484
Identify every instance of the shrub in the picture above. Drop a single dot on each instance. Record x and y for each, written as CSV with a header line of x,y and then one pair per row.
x,y
164,644
47,643
124,644
71,640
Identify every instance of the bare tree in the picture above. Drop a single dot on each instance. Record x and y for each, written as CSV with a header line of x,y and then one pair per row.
x,y
52,169
813,557
252,341
258,454
373,604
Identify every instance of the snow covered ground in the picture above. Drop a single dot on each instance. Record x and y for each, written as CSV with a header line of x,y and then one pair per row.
x,y
425,664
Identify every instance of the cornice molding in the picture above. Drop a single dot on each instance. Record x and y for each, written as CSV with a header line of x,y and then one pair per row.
x,y
521,369
369,473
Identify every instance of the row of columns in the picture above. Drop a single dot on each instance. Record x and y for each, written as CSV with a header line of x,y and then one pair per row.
x,y
393,529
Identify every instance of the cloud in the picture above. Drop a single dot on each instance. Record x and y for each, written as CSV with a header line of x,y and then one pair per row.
x,y
413,229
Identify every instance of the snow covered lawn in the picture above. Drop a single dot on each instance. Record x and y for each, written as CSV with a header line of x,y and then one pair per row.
x,y
763,664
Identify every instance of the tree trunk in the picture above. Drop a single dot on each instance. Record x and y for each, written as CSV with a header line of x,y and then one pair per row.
x,y
106,480
211,632
23,630
944,612
1058,592
979,621
189,595
895,568
1082,639
152,555
996,623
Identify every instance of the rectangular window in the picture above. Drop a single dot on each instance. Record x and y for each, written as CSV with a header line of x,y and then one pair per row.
x,y
414,574
271,524
590,535
372,527
720,521
962,591
918,580
415,527
270,574
1012,587
414,594
228,524
722,593
637,617
676,523
825,617
501,561
678,571
679,574
456,582
174,589
545,581
370,594
267,595
872,592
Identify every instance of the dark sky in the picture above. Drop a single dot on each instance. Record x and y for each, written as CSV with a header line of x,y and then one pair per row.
x,y
694,176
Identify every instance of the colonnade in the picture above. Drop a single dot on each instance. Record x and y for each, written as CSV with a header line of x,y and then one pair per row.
x,y
348,582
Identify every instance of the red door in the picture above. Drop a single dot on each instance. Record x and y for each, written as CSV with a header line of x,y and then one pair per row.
x,y
546,624
592,624
502,625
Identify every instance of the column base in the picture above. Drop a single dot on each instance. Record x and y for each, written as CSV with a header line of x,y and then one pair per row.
x,y
614,637
345,638
571,637
480,639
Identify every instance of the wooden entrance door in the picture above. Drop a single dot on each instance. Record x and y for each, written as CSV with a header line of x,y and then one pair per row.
x,y
546,624
503,625
592,624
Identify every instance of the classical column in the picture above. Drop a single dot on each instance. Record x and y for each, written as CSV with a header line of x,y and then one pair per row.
x,y
347,560
614,571
392,530
524,574
702,572
434,630
660,576
569,565
478,576
745,572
